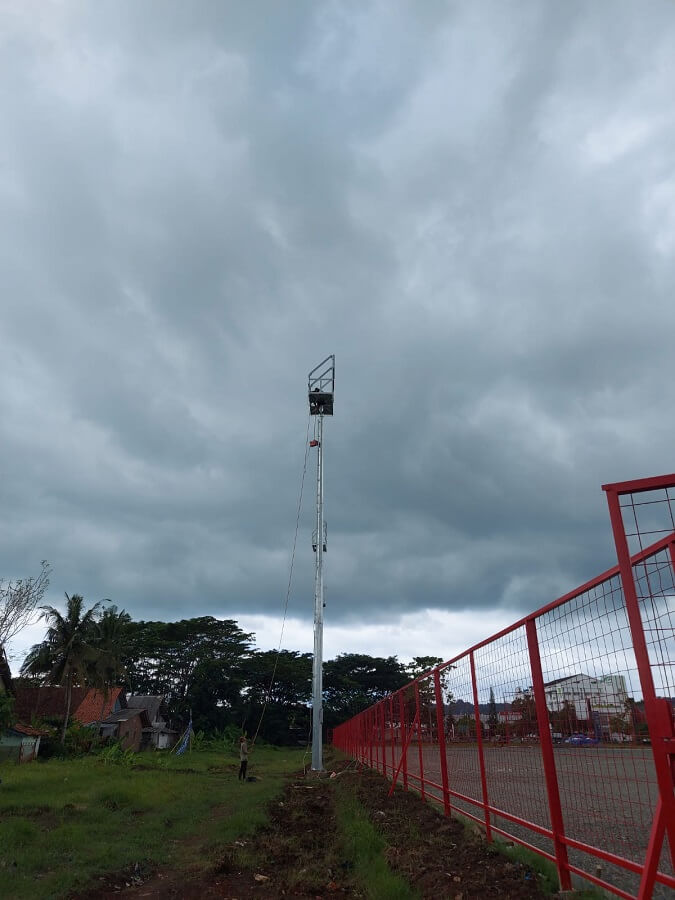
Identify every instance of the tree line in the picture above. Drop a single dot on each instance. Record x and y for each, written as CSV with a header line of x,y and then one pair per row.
x,y
208,668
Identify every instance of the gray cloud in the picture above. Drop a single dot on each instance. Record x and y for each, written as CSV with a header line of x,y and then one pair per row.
x,y
470,205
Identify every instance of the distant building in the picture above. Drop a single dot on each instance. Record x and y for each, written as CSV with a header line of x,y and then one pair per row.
x,y
127,726
605,696
137,722
157,734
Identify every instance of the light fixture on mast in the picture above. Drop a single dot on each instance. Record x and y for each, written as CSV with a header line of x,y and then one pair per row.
x,y
320,387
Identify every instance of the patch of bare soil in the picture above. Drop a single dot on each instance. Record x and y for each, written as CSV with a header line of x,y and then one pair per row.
x,y
298,854
437,855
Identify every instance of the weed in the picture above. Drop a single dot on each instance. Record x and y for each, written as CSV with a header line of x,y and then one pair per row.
x,y
365,849
114,754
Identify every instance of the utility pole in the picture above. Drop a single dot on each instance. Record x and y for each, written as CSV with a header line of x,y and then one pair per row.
x,y
321,386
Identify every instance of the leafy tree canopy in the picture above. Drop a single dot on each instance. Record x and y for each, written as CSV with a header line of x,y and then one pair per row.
x,y
354,681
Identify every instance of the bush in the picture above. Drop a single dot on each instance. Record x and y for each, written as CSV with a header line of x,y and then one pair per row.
x,y
6,711
114,754
80,740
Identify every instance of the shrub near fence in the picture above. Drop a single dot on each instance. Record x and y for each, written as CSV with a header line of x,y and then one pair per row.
x,y
557,732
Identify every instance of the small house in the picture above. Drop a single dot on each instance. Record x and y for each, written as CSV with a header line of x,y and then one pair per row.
x,y
20,742
126,726
158,735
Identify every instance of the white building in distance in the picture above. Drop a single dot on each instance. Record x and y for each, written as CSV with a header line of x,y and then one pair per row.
x,y
606,694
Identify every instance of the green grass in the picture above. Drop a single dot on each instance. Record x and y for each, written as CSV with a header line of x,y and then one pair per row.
x,y
364,847
64,823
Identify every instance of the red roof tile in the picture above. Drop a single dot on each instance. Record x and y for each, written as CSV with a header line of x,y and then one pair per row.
x,y
42,702
26,729
96,705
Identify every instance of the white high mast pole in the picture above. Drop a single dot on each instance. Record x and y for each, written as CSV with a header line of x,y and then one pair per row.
x,y
321,385
317,669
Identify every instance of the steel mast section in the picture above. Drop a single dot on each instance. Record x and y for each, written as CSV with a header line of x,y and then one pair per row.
x,y
321,386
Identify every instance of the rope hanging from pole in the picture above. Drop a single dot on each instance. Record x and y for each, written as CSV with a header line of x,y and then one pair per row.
x,y
290,582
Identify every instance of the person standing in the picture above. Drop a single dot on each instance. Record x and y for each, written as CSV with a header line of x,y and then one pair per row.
x,y
243,758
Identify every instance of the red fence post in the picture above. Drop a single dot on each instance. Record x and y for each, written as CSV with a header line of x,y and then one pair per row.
x,y
440,727
419,737
414,725
481,754
376,742
392,733
376,736
404,743
384,739
363,738
548,757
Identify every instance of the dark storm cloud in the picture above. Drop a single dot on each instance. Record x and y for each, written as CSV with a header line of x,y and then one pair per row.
x,y
470,204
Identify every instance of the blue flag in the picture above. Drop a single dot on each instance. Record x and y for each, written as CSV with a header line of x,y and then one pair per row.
x,y
185,740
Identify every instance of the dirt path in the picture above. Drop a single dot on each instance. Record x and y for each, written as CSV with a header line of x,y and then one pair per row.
x,y
300,855
436,855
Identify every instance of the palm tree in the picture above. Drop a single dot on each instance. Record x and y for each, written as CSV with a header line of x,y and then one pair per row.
x,y
106,667
66,653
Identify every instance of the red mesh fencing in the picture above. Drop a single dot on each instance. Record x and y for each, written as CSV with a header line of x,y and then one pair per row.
x,y
557,733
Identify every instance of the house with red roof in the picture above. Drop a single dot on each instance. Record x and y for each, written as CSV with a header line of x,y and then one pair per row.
x,y
87,706
137,724
97,705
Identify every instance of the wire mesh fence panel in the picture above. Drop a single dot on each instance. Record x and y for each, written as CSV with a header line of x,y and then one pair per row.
x,y
558,732
647,516
516,781
605,769
641,511
464,773
655,584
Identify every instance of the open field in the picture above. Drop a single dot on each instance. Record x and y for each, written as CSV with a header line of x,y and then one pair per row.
x,y
65,824
607,794
185,828
343,836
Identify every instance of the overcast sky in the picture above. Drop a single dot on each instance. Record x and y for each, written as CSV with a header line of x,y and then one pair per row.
x,y
471,204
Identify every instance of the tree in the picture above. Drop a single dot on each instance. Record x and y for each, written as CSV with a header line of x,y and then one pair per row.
x,y
354,681
18,602
193,662
564,720
493,718
420,665
65,655
619,725
105,667
281,686
527,708
6,711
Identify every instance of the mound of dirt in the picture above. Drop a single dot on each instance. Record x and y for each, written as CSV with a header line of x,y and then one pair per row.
x,y
299,853
437,855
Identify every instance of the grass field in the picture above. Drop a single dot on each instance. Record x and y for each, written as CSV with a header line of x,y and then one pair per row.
x,y
64,824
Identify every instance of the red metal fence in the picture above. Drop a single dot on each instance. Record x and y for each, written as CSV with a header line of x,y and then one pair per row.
x,y
557,732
